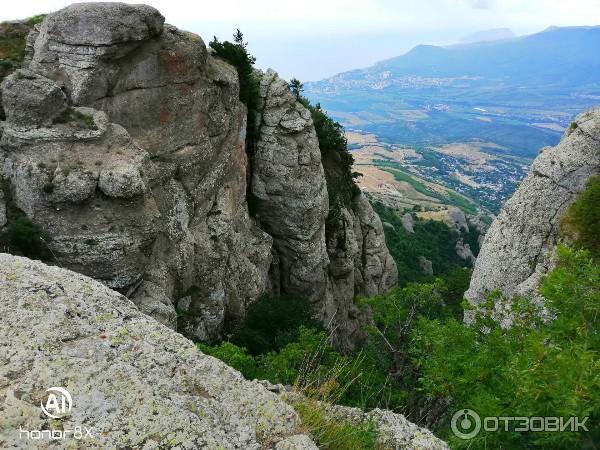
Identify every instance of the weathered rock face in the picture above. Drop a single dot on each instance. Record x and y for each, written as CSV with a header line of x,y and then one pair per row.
x,y
518,248
464,251
288,182
154,206
134,382
393,430
125,141
360,264
408,223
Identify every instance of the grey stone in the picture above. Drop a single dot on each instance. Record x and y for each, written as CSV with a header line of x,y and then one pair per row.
x,y
2,208
288,182
408,223
134,382
464,251
77,44
519,246
458,218
149,196
425,265
31,100
296,442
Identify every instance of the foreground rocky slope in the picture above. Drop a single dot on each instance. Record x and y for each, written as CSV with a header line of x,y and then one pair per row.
x,y
125,140
135,382
518,248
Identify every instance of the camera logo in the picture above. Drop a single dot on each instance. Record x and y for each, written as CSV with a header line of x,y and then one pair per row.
x,y
466,424
58,404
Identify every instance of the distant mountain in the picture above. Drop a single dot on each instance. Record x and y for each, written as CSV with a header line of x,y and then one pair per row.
x,y
518,93
488,35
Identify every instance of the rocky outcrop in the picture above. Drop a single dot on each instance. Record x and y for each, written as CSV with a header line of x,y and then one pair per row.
x,y
393,430
425,265
457,219
464,251
133,381
289,185
408,223
360,264
329,267
144,188
518,248
125,140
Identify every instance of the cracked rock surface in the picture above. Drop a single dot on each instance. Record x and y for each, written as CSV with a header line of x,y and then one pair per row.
x,y
518,248
135,382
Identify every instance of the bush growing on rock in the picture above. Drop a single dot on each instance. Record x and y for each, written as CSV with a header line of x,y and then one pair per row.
x,y
236,53
24,238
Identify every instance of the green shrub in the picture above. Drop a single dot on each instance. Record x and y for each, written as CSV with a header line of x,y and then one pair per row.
x,y
76,119
432,239
24,238
273,322
531,369
48,188
581,223
236,53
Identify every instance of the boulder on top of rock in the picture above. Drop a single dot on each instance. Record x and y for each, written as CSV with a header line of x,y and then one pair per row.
x,y
31,100
76,44
102,23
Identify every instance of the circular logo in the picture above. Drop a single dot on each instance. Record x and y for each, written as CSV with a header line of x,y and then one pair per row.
x,y
466,423
59,401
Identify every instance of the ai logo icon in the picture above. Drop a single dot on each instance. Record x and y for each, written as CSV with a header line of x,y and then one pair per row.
x,y
58,404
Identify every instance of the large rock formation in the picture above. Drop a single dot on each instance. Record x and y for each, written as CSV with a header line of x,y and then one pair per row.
x,y
519,246
329,267
290,189
154,206
133,381
125,140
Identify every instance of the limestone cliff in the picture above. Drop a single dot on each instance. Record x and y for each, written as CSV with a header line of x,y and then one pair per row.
x,y
518,248
328,263
125,140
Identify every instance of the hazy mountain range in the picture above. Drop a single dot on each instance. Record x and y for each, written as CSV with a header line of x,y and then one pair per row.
x,y
473,115
517,93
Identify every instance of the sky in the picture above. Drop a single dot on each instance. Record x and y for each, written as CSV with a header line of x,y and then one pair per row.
x,y
314,39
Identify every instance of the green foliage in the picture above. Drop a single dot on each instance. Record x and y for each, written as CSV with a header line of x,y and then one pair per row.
x,y
23,237
34,20
273,322
76,119
296,87
581,223
236,53
337,161
422,360
432,239
236,357
531,369
48,188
